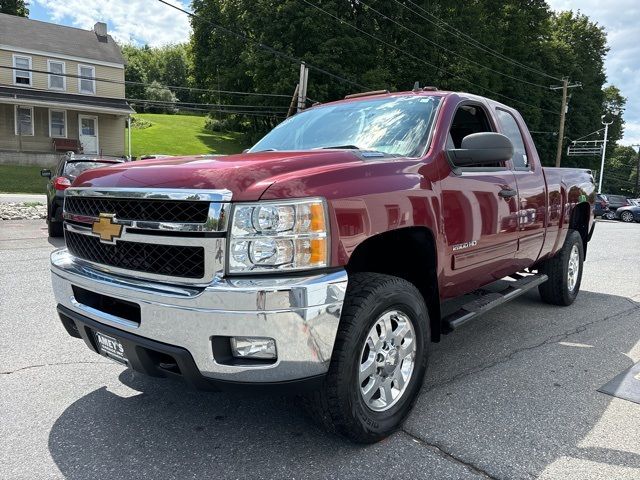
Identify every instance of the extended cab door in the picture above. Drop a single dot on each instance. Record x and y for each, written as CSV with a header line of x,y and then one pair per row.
x,y
532,192
480,210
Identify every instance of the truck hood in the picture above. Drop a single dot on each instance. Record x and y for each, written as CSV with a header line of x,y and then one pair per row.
x,y
246,175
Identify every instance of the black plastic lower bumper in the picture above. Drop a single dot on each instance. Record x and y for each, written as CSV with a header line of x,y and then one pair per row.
x,y
159,359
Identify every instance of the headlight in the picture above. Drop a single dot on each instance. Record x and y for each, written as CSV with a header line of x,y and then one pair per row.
x,y
280,235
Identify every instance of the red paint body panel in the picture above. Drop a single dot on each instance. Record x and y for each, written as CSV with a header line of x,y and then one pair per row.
x,y
370,196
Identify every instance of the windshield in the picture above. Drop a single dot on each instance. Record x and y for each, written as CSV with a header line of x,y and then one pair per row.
x,y
397,126
73,169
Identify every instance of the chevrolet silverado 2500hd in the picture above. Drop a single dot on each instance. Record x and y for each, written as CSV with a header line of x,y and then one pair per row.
x,y
324,257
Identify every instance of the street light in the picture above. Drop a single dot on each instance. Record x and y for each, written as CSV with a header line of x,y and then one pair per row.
x,y
614,113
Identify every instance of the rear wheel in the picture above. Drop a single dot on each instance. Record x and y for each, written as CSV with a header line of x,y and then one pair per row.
x,y
626,216
564,271
379,359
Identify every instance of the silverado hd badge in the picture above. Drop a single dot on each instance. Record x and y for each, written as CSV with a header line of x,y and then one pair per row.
x,y
461,246
106,229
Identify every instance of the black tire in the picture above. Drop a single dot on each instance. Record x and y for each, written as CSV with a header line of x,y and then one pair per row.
x,y
339,405
556,290
54,228
626,216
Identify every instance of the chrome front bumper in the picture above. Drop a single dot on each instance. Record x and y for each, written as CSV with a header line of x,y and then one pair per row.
x,y
300,313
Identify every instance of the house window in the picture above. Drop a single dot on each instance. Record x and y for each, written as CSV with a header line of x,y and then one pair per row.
x,y
24,120
57,123
86,82
22,70
57,80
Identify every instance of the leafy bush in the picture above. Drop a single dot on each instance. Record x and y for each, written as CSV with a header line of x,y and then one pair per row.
x,y
138,123
225,124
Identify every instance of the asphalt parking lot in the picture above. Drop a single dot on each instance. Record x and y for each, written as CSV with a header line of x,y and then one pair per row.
x,y
513,395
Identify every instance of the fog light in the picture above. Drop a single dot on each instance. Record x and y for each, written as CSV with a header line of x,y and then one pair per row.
x,y
253,347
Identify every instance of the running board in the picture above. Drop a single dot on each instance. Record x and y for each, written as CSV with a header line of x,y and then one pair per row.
x,y
488,300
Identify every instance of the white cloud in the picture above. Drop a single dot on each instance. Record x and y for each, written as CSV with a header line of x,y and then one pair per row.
x,y
631,134
620,20
130,21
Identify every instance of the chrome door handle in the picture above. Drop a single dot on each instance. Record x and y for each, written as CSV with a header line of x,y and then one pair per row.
x,y
507,193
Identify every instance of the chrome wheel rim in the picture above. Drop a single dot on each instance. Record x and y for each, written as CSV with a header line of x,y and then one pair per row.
x,y
573,268
387,360
627,216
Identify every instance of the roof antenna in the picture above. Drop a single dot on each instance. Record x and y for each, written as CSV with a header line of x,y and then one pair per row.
x,y
416,86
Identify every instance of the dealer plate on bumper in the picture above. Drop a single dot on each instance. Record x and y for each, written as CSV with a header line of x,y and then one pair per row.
x,y
110,347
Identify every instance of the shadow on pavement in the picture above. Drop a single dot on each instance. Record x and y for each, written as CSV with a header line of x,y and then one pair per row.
x,y
57,242
513,417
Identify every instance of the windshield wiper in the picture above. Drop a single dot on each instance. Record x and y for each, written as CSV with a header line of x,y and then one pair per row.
x,y
341,147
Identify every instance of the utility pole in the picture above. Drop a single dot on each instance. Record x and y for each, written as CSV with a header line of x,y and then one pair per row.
x,y
563,110
294,99
302,86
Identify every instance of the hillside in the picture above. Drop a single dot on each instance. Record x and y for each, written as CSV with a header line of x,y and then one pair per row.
x,y
181,135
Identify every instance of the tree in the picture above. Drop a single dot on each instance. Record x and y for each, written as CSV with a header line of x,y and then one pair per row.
x,y
164,97
620,171
169,66
381,44
14,7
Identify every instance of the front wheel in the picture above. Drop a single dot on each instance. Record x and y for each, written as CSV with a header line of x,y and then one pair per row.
x,y
564,270
379,359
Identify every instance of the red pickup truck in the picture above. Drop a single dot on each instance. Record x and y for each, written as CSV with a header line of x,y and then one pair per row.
x,y
325,257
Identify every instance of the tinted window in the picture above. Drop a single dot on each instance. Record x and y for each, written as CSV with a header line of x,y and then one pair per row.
x,y
73,169
468,119
510,129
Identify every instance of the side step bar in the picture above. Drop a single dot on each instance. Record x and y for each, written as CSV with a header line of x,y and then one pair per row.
x,y
488,300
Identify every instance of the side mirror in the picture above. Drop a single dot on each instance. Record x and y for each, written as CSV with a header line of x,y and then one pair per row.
x,y
45,172
482,148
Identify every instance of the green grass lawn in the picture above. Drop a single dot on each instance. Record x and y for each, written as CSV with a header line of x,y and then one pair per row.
x,y
181,135
168,134
21,179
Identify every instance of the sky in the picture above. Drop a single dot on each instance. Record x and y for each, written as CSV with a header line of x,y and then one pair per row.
x,y
150,22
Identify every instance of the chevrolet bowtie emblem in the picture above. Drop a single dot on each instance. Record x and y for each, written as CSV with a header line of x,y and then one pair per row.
x,y
106,229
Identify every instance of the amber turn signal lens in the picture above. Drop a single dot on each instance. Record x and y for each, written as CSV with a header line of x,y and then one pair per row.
x,y
318,251
317,218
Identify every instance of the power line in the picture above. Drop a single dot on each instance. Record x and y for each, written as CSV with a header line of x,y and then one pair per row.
x,y
179,108
168,102
240,109
470,40
266,47
422,60
145,84
588,135
473,62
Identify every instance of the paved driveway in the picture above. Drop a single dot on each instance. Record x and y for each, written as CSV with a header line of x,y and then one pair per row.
x,y
512,395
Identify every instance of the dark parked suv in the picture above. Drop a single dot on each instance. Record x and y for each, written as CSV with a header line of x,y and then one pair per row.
x,y
601,207
70,166
617,201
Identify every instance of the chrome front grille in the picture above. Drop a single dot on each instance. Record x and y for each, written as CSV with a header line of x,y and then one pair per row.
x,y
176,236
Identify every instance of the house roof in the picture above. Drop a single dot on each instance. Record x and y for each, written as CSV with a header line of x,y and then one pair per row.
x,y
25,33
42,98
